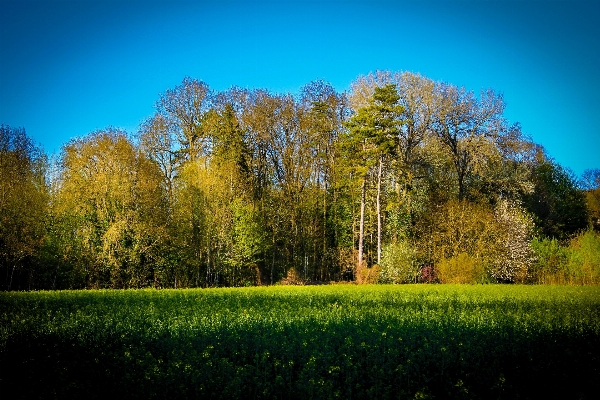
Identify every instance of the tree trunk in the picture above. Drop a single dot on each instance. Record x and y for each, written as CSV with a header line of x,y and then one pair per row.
x,y
273,259
11,278
361,229
379,172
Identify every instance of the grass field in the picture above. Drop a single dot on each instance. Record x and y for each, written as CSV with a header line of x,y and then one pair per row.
x,y
341,341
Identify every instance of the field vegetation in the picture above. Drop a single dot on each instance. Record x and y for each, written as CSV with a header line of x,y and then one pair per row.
x,y
335,341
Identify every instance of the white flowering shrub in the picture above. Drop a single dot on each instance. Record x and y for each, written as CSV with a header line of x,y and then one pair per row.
x,y
513,256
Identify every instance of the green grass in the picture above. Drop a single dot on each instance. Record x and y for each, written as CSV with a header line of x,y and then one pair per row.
x,y
343,341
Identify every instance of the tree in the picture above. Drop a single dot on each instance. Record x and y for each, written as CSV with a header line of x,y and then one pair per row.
x,y
417,97
23,206
158,143
557,204
230,149
399,263
508,174
514,255
245,186
249,242
372,137
363,87
387,130
322,112
112,204
457,227
184,109
468,129
591,185
242,239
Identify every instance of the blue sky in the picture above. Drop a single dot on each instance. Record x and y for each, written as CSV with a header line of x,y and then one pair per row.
x,y
70,67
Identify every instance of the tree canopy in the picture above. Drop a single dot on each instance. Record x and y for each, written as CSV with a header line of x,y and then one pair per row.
x,y
245,187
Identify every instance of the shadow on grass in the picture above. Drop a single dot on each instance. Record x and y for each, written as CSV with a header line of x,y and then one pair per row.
x,y
304,360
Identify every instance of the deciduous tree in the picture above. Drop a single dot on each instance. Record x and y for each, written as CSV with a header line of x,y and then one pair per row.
x,y
184,109
468,128
23,206
114,203
557,203
591,185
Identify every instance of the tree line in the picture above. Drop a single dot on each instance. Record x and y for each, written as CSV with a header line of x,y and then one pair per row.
x,y
399,179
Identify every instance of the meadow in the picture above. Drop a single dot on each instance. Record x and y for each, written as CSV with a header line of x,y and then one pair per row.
x,y
338,341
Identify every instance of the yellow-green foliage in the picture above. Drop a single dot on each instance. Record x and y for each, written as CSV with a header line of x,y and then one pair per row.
x,y
577,263
584,258
551,261
461,269
497,239
399,263
462,227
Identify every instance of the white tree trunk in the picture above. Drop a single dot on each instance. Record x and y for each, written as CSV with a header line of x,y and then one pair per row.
x,y
361,231
379,172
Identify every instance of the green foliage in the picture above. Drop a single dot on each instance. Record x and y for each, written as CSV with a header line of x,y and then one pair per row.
x,y
497,238
591,185
551,260
557,204
239,187
110,213
575,263
340,341
399,263
584,258
372,131
249,241
459,227
24,204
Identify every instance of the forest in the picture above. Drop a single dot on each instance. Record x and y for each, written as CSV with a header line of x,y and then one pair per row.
x,y
401,179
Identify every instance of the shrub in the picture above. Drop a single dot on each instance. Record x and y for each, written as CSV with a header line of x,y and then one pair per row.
x,y
428,274
584,258
497,238
292,278
399,263
550,266
461,269
459,227
578,263
367,276
513,256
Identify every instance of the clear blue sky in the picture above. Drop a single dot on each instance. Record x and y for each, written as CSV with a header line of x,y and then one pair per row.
x,y
69,67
